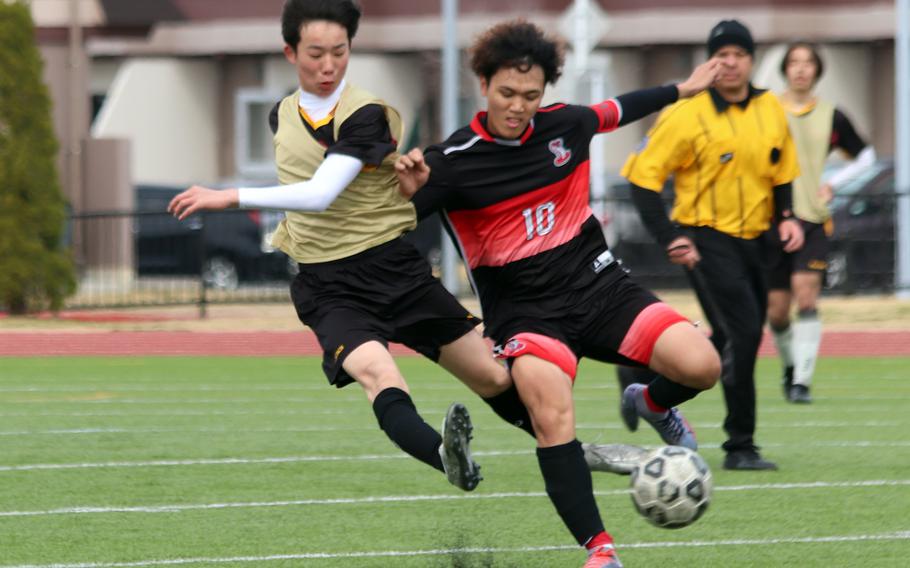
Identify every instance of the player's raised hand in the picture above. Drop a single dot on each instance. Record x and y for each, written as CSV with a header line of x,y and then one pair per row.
x,y
701,78
413,172
198,198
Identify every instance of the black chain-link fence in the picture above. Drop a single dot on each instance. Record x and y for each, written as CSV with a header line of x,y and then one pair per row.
x,y
148,258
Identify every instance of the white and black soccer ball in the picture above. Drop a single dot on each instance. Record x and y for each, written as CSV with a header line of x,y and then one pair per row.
x,y
671,487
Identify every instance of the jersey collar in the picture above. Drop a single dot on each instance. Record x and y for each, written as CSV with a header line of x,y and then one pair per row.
x,y
721,104
799,110
479,126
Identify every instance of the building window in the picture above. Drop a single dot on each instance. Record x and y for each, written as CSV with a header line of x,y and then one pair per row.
x,y
254,153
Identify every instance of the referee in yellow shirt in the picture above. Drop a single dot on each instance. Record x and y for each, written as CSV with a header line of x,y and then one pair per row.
x,y
733,162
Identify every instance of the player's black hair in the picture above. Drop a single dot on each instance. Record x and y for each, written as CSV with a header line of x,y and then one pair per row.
x,y
816,57
516,44
346,13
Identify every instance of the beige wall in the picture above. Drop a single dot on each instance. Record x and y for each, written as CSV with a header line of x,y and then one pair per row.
x,y
168,109
70,109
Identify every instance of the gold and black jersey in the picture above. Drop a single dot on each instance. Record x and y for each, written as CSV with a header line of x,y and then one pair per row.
x,y
726,160
370,211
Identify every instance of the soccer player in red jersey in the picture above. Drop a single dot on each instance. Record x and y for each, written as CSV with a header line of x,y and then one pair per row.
x,y
513,190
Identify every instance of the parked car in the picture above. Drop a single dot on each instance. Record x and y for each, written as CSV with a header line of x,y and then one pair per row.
x,y
862,245
225,248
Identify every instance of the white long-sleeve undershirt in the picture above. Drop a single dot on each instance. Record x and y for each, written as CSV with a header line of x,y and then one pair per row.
x,y
862,161
335,173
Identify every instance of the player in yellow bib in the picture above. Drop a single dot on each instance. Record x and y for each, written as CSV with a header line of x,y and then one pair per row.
x,y
817,128
360,285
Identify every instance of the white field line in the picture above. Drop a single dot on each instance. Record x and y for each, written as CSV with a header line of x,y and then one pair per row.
x,y
329,429
380,457
900,535
152,509
815,412
110,398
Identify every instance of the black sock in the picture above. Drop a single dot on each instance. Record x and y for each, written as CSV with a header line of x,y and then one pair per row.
x,y
398,418
668,394
631,375
508,406
568,483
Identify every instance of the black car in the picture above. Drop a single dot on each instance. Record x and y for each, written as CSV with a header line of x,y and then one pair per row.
x,y
862,244
224,248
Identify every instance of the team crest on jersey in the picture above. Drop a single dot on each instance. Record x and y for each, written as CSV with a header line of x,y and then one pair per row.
x,y
563,155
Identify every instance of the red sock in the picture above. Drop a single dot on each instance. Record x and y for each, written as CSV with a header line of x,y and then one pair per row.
x,y
598,540
654,407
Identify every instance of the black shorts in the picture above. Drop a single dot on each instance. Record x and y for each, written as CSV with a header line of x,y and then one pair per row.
x,y
813,257
596,324
386,294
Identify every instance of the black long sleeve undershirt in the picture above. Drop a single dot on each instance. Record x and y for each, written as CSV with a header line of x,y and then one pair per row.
x,y
654,216
783,201
639,104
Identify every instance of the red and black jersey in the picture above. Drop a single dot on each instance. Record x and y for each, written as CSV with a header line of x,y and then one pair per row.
x,y
518,209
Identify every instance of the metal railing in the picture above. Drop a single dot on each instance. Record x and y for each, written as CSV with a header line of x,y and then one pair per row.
x,y
136,259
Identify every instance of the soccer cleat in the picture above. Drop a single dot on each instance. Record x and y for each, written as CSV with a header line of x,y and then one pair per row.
x,y
748,460
670,424
613,458
603,556
629,376
787,381
799,394
455,451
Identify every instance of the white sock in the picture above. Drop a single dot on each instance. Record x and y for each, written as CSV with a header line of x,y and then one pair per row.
x,y
807,336
783,340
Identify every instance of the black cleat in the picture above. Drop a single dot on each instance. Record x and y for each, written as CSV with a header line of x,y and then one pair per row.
x,y
799,394
747,460
461,470
787,382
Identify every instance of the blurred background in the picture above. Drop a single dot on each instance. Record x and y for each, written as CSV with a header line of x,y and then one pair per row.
x,y
151,96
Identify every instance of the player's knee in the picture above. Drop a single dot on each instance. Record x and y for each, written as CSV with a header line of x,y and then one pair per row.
x,y
701,369
553,423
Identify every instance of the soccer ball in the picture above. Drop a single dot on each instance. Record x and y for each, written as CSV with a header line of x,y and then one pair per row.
x,y
671,487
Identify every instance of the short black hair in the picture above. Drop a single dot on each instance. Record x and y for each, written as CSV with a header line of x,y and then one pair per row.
x,y
816,57
516,44
298,12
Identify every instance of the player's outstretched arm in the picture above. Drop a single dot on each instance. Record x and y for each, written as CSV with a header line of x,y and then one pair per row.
x,y
413,172
199,198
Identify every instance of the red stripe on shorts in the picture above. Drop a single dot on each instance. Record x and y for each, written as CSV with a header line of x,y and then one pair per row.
x,y
647,327
546,348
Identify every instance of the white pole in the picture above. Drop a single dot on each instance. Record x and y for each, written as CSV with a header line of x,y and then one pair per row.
x,y
902,149
598,152
449,87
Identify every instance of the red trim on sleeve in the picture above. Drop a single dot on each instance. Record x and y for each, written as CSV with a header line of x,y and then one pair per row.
x,y
608,113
